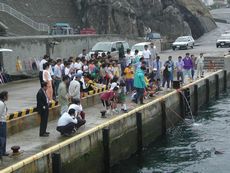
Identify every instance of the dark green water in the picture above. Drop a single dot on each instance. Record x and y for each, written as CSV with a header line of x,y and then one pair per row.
x,y
189,147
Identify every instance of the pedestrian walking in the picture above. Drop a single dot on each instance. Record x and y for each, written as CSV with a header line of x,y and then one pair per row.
x,y
43,109
63,96
139,84
3,128
200,65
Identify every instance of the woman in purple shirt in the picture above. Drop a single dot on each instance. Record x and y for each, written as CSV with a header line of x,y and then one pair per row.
x,y
188,65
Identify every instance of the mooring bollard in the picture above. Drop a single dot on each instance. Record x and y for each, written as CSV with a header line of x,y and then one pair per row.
x,y
56,162
106,146
163,114
217,86
207,90
225,80
196,106
139,132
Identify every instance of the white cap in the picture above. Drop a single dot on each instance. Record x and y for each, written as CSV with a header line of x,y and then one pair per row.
x,y
113,85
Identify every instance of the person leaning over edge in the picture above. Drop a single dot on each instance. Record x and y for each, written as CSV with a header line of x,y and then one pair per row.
x,y
43,109
67,123
3,129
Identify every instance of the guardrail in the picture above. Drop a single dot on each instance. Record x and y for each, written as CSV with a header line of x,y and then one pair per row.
x,y
13,12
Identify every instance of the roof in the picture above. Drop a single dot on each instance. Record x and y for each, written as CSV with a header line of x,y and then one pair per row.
x,y
142,43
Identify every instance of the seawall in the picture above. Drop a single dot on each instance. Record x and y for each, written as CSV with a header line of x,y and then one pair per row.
x,y
124,135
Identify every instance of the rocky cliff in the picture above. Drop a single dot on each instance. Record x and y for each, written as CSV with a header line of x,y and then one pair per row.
x,y
171,18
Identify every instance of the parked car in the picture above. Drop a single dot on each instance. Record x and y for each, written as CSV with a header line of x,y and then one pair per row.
x,y
183,42
153,36
61,29
139,47
112,47
223,41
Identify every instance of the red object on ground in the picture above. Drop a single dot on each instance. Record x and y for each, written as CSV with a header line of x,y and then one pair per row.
x,y
88,31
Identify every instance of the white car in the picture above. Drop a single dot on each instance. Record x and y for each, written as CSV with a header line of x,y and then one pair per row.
x,y
223,41
139,47
183,42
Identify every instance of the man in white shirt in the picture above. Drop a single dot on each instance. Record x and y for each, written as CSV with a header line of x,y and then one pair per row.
x,y
75,87
147,55
68,123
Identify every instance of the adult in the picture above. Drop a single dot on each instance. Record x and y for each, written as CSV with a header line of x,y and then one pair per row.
x,y
157,66
170,65
43,61
48,79
75,87
147,55
128,57
63,96
200,65
68,123
139,84
43,109
193,58
57,75
3,128
83,55
153,51
179,69
187,66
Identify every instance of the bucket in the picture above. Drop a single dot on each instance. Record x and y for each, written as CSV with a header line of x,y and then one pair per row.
x,y
176,84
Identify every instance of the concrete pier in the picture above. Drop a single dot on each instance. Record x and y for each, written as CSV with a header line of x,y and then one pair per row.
x,y
85,149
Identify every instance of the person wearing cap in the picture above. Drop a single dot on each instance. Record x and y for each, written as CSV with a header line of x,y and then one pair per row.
x,y
200,65
179,69
75,87
68,123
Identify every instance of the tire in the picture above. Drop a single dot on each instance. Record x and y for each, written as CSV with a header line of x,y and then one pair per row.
x,y
187,46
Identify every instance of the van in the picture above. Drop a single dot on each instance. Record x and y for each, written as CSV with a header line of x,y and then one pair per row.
x,y
61,29
113,47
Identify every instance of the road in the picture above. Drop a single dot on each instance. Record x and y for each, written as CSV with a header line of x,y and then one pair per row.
x,y
23,95
222,13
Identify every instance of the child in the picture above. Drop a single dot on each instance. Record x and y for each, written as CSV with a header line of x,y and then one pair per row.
x,y
121,97
166,76
76,105
108,99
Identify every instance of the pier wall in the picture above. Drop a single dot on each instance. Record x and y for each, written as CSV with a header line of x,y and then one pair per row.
x,y
87,151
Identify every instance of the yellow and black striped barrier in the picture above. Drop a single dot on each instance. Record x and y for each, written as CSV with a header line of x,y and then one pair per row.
x,y
53,104
27,111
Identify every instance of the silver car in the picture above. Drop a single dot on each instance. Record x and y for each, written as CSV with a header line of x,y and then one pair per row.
x,y
183,42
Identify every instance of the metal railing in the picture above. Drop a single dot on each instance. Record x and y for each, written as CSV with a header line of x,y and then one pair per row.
x,y
35,25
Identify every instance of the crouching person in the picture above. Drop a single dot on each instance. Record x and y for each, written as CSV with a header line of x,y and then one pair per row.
x,y
68,123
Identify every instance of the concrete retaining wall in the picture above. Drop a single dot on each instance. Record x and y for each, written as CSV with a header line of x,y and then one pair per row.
x,y
33,120
84,152
28,48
